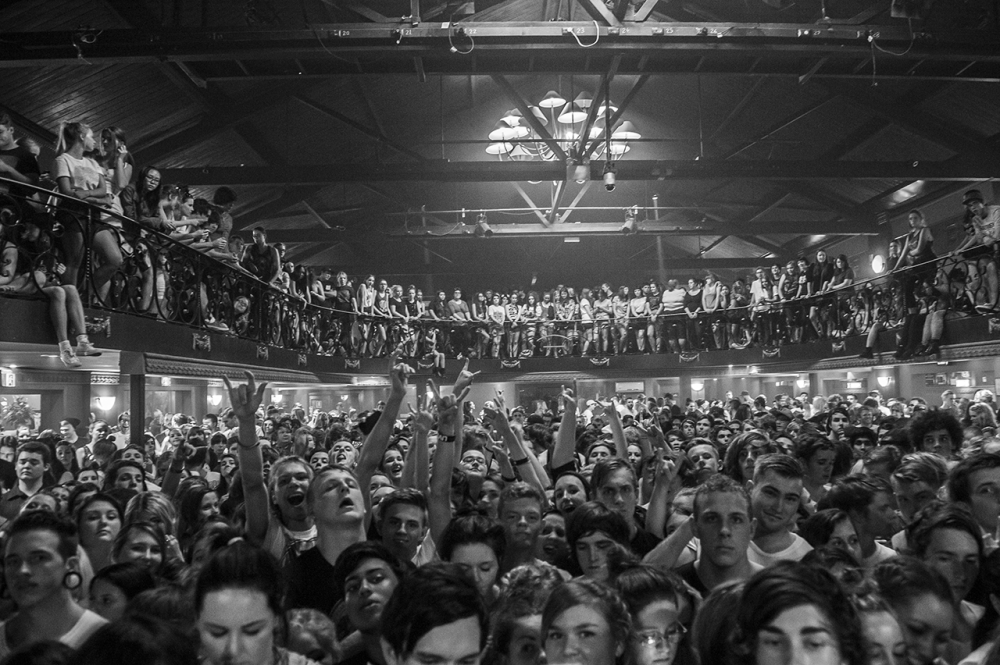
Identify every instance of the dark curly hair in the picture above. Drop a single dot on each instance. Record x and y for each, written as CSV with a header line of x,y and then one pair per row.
x,y
931,421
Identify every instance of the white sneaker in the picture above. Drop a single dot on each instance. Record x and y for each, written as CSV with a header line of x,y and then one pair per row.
x,y
87,349
69,358
217,326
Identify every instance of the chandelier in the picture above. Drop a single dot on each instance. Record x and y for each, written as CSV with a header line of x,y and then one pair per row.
x,y
514,139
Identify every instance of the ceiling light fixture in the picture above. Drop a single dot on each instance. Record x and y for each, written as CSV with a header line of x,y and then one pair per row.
x,y
513,138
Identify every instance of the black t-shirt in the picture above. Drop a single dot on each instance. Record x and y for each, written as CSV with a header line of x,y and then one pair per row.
x,y
440,309
24,163
342,298
822,273
689,574
643,542
310,582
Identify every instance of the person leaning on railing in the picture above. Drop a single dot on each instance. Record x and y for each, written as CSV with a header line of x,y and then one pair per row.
x,y
918,257
987,219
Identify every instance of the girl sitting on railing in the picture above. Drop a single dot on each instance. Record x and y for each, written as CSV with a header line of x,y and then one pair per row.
x,y
38,268
78,176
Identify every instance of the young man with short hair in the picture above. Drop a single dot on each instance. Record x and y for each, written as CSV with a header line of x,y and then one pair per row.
x,y
915,482
16,162
725,528
435,615
704,456
775,497
869,502
30,464
403,524
520,513
615,486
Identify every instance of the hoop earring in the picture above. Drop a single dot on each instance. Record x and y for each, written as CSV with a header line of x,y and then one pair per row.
x,y
72,580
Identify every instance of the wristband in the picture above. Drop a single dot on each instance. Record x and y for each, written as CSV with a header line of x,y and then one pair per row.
x,y
250,447
176,468
446,438
508,480
521,462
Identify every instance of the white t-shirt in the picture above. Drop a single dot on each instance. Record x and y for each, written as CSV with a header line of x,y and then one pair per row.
x,y
793,552
84,173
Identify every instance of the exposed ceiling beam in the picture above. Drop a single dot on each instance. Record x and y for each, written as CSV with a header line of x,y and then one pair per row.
x,y
430,40
645,10
933,128
214,122
286,199
599,12
970,168
351,122
515,98
661,227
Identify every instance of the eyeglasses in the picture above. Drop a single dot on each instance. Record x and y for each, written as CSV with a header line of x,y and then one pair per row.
x,y
661,639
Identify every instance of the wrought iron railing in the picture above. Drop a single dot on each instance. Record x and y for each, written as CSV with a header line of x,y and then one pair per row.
x,y
160,277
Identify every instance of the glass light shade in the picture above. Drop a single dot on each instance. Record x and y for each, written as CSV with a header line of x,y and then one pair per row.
x,y
106,402
602,108
626,131
552,100
539,115
520,154
572,114
513,117
499,148
878,264
503,132
584,100
597,128
619,148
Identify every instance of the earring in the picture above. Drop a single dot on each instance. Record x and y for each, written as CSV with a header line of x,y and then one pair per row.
x,y
72,580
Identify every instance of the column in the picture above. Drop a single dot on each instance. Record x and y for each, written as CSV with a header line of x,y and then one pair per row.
x,y
199,394
137,408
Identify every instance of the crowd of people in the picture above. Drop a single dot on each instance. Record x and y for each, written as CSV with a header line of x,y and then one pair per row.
x,y
117,236
640,531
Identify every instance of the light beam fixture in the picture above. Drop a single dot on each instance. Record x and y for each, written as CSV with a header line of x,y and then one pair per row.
x,y
483,229
629,227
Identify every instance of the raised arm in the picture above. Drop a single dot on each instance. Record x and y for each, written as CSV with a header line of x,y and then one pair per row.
x,y
416,471
564,451
245,400
450,438
520,455
377,440
617,431
665,487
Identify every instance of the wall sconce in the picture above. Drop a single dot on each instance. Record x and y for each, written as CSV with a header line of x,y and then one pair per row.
x,y
106,402
697,386
276,398
801,383
215,400
884,381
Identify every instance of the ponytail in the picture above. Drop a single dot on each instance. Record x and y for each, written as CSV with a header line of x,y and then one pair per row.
x,y
69,135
